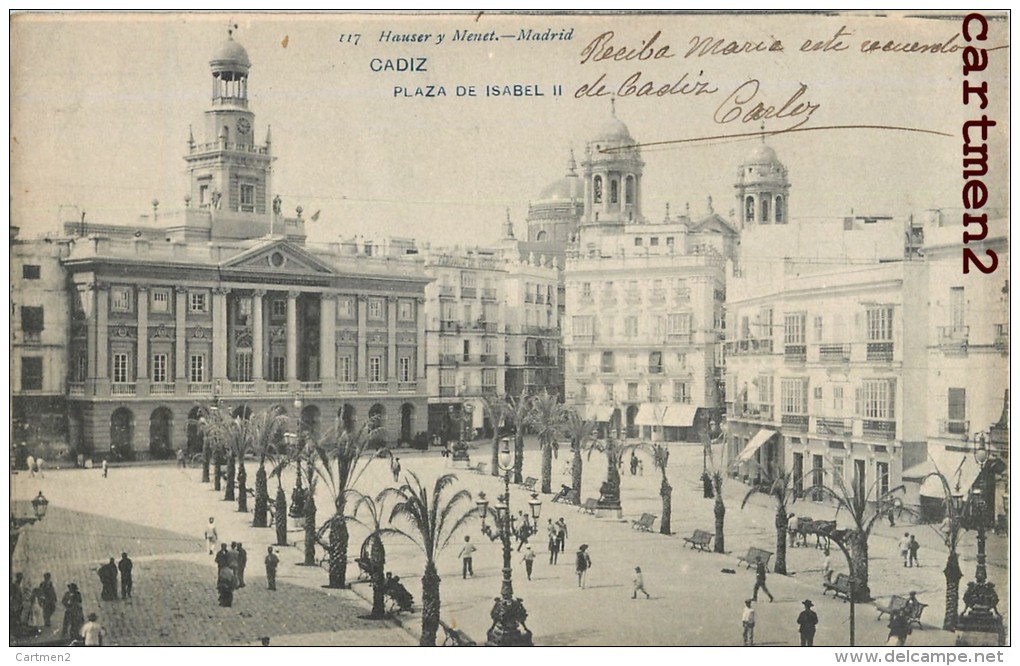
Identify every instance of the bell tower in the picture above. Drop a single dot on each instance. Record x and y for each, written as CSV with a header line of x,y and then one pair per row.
x,y
762,188
228,171
612,169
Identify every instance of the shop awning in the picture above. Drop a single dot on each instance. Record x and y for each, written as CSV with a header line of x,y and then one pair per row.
x,y
650,414
680,416
959,468
756,443
600,413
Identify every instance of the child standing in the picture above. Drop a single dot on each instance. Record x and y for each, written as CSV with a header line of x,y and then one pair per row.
x,y
639,584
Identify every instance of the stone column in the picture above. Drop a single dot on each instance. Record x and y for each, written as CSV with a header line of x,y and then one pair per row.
x,y
142,350
102,331
257,353
391,341
362,343
90,304
327,341
419,352
292,336
180,341
219,340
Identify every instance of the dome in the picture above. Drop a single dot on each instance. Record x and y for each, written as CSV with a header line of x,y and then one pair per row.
x,y
564,189
230,56
762,154
614,130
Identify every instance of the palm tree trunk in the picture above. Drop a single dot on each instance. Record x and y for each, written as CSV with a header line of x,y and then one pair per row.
x,y
547,468
261,517
218,473
495,454
859,561
281,517
205,460
782,522
720,516
429,605
666,493
575,472
338,538
231,472
953,576
309,531
242,487
377,555
518,456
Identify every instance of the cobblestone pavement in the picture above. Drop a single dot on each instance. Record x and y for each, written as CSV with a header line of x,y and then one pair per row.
x,y
694,601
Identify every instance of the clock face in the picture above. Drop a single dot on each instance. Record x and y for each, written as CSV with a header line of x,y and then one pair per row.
x,y
243,126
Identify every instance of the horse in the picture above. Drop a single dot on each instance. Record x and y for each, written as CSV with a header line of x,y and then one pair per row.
x,y
822,529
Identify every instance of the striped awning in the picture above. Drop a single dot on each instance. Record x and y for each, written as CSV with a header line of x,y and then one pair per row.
x,y
600,413
756,443
680,416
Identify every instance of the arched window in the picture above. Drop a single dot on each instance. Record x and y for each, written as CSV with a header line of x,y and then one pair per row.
x,y
749,209
541,237
597,187
614,191
628,190
779,211
765,209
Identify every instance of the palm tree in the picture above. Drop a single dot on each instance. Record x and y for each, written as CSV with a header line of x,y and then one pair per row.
x,y
614,450
280,502
865,509
581,432
518,411
264,430
719,509
547,416
952,572
495,407
372,547
235,435
435,518
780,487
348,450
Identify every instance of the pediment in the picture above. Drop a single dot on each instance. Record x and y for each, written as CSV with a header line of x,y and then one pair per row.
x,y
278,257
714,222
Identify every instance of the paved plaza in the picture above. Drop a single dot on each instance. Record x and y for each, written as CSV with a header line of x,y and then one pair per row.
x,y
158,513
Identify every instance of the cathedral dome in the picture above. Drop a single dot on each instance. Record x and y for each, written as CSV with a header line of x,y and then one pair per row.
x,y
762,154
230,56
614,130
564,189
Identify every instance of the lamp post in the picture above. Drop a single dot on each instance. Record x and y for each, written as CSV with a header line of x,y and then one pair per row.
x,y
206,449
507,612
839,537
466,421
39,506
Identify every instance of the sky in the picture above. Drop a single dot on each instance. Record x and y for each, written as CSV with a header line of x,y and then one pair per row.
x,y
101,106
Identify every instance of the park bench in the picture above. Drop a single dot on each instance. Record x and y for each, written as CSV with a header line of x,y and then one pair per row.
x,y
700,540
840,588
644,523
529,484
898,603
752,557
567,496
479,468
590,506
456,637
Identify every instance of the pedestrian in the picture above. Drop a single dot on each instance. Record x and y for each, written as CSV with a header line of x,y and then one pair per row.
x,y
126,566
640,467
30,465
529,560
108,577
523,533
234,562
892,519
39,463
466,558
74,615
582,565
225,584
899,628
793,526
17,600
242,562
639,584
911,607
106,468
395,468
47,596
222,558
561,534
633,464
180,459
92,632
34,611
807,621
827,567
905,547
759,580
912,548
747,620
211,537
554,547
272,562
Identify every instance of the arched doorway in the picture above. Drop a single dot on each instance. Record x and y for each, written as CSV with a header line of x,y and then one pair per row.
x,y
347,417
195,436
311,421
632,430
377,415
406,422
161,433
614,423
122,433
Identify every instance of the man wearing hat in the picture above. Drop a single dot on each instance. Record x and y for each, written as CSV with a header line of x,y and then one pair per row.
x,y
92,631
807,620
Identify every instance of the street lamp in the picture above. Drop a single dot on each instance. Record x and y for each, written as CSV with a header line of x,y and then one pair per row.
x,y
39,505
507,612
467,423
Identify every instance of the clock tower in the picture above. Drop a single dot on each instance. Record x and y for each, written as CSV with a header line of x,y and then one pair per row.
x,y
229,172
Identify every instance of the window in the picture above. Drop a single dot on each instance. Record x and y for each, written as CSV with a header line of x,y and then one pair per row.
x,y
242,366
405,310
614,191
655,362
632,364
765,323
203,195
818,329
681,393
793,333
30,271
586,289
880,324
654,392
582,362
196,368
467,350
404,368
638,241
31,373
957,411
956,309
467,314
448,378
609,327
160,301
247,198
279,308
345,307
780,211
749,209
653,241
882,471
837,398
765,394
630,327
584,392
242,311
198,302
160,364
678,323
468,279
837,471
375,308
489,377
681,359
81,368
607,362
877,399
278,368
597,189
628,190
765,209
584,326
375,368
669,241
120,299
632,393
794,396
345,369
32,322
607,391
121,368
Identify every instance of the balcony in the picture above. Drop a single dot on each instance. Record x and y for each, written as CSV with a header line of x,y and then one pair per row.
x,y
834,426
540,299
378,387
448,359
311,387
491,327
954,427
879,428
679,338
655,369
123,388
633,295
407,387
489,389
347,387
583,338
77,389
795,421
953,339
657,297
608,369
237,388
447,391
468,292
447,291
529,298
449,326
200,388
838,353
585,299
795,353
488,294
881,352
1002,337
535,359
277,387
487,359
